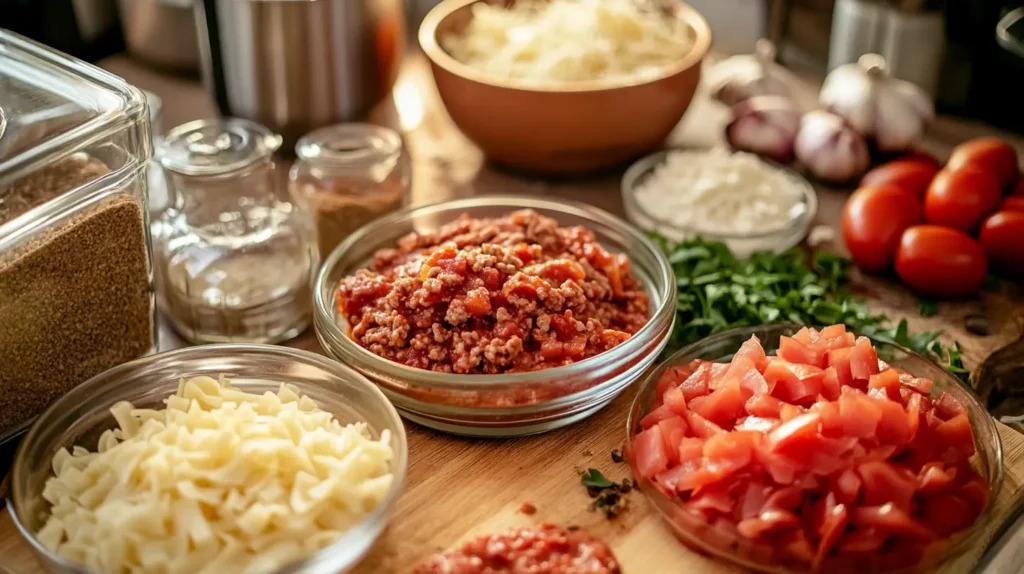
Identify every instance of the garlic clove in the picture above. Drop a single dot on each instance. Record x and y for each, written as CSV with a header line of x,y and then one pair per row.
x,y
765,125
744,76
829,148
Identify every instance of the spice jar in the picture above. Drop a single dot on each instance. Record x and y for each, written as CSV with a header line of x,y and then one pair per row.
x,y
346,176
234,256
76,292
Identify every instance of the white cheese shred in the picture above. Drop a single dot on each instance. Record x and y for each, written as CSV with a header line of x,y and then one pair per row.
x,y
571,40
220,481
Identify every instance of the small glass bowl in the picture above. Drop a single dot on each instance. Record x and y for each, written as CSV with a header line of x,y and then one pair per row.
x,y
694,531
506,404
741,244
80,416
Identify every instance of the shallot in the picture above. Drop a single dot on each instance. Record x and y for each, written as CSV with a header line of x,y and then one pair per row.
x,y
765,125
738,78
892,112
830,149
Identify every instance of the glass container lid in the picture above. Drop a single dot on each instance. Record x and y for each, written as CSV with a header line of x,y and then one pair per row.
x,y
52,105
216,147
349,144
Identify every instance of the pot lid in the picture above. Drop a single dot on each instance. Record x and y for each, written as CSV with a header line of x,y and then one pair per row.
x,y
216,147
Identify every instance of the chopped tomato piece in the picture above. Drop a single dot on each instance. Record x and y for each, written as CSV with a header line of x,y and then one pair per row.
x,y
691,448
792,382
832,332
914,414
673,431
947,513
840,360
948,407
727,453
892,519
759,424
884,483
767,522
752,384
888,381
830,387
894,425
832,529
649,447
701,427
803,335
789,412
673,376
860,415
717,373
656,416
765,406
710,500
803,353
752,501
794,433
863,360
675,401
754,352
831,419
798,546
847,486
957,439
934,478
923,386
723,406
682,473
696,385
862,541
977,492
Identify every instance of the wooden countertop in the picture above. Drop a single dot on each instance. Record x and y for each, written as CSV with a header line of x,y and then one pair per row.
x,y
495,477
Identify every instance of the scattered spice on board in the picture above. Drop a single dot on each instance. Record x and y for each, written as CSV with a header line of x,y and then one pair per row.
x,y
609,497
528,509
617,456
75,301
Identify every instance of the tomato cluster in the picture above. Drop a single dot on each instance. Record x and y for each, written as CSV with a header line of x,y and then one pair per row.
x,y
822,453
940,227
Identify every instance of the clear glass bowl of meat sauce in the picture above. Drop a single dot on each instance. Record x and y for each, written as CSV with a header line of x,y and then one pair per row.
x,y
505,404
693,530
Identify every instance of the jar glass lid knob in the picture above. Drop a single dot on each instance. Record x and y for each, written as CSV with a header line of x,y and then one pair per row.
x,y
216,147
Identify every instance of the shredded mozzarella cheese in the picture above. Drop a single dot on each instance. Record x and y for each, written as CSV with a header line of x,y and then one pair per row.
x,y
570,40
720,192
220,481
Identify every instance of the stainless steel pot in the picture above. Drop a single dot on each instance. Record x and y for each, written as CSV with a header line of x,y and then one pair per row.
x,y
161,33
295,65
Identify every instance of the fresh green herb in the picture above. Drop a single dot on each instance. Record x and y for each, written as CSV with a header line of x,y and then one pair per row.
x,y
593,478
927,307
717,291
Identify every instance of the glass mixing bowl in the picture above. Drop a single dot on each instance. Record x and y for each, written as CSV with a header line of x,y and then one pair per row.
x,y
80,416
505,404
694,531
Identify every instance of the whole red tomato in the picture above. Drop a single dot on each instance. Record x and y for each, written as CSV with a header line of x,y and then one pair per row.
x,y
873,220
941,261
989,154
1019,188
1012,203
961,198
1002,236
910,175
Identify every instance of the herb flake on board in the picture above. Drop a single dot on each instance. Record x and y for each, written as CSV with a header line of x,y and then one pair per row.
x,y
609,497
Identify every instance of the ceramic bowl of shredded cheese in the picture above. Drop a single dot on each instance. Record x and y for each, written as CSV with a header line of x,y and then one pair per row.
x,y
211,460
563,86
737,198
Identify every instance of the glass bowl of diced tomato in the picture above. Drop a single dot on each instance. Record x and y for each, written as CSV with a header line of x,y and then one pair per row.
x,y
791,449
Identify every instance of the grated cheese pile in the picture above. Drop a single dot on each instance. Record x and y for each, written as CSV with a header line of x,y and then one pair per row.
x,y
570,40
720,192
220,481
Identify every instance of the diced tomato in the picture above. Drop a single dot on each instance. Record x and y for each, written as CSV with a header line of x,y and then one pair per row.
x,y
863,360
717,372
847,486
673,431
675,375
840,359
765,406
894,425
789,412
914,414
832,529
696,385
759,424
803,335
862,541
794,433
739,366
976,491
957,438
888,381
923,386
691,448
781,468
753,351
681,474
803,353
832,332
723,406
675,400
947,513
752,384
752,501
767,522
884,483
798,546
656,416
831,419
891,519
934,478
711,500
830,387
651,457
792,382
947,407
701,427
727,453
860,415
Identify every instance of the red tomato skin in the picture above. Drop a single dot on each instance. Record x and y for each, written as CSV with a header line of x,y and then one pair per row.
x,y
941,261
1019,188
1002,237
909,174
873,219
990,154
1012,203
961,198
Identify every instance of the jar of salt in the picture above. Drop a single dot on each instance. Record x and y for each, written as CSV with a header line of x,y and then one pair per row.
x,y
234,256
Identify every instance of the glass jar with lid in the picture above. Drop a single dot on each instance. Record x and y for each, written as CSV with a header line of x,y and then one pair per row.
x,y
234,258
76,290
346,176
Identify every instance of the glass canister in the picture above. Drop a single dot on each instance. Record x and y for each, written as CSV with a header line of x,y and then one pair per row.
x,y
346,176
234,258
76,289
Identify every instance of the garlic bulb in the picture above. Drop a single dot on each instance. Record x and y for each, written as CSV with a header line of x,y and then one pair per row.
x,y
738,78
829,148
894,113
765,125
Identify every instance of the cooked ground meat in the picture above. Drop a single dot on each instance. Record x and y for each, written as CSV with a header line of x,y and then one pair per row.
x,y
546,549
510,294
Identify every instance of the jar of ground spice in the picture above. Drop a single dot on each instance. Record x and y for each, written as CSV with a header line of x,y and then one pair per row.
x,y
348,175
76,290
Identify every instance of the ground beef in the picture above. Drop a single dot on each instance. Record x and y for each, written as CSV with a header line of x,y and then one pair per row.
x,y
510,294
546,549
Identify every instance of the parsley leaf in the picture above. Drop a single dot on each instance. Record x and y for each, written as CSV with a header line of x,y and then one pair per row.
x,y
593,478
927,307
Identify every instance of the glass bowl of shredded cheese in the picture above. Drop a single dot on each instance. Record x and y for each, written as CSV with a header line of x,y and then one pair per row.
x,y
214,459
746,202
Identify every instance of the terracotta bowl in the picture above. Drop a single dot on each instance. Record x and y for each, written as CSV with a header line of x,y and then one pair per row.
x,y
561,128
